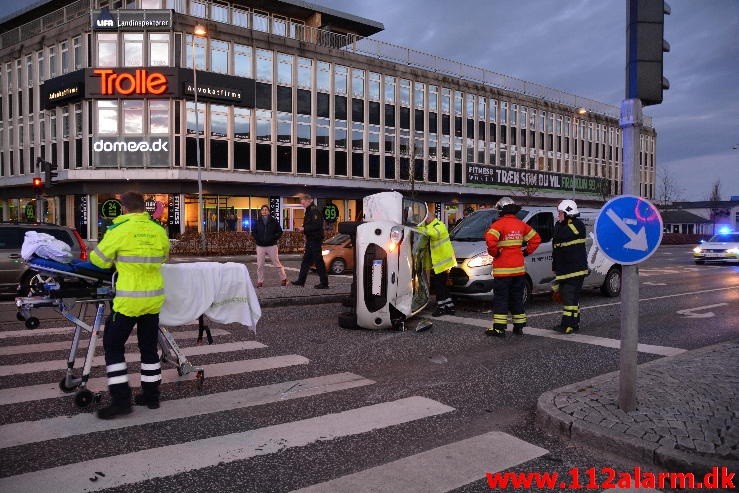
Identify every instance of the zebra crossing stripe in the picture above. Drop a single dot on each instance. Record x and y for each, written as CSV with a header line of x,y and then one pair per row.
x,y
576,337
51,390
438,470
8,370
80,424
166,461
65,345
46,331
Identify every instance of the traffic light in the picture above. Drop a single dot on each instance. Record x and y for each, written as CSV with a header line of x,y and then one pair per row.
x,y
38,185
645,45
49,171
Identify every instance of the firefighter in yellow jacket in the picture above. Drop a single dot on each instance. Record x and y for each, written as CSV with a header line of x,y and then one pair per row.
x,y
442,260
137,246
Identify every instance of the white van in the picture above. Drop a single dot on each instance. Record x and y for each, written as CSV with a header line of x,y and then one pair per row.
x,y
473,275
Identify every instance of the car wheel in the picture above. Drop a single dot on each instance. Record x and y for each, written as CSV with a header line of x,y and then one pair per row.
x,y
699,262
338,266
612,284
527,290
31,283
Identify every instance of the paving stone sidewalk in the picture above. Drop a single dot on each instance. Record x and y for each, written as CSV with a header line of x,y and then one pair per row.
x,y
687,416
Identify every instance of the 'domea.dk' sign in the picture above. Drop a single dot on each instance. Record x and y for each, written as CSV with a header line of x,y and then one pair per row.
x,y
483,175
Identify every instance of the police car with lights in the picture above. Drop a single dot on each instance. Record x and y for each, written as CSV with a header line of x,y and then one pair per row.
x,y
723,247
472,278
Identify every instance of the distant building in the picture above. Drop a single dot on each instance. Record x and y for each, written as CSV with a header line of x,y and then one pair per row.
x,y
291,96
701,218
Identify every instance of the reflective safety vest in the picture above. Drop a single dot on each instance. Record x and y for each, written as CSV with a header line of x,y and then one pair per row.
x,y
137,246
505,239
569,256
442,253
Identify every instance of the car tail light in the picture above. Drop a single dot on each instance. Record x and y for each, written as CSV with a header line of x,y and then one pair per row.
x,y
83,245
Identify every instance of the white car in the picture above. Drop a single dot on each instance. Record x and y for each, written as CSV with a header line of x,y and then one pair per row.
x,y
723,247
390,283
472,278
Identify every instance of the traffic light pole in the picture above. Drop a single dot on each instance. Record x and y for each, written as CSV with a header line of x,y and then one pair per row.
x,y
631,123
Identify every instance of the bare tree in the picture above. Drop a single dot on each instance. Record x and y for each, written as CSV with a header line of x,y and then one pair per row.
x,y
667,188
714,199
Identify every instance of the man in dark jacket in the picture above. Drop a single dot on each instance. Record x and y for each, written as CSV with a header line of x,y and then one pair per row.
x,y
569,263
267,233
313,231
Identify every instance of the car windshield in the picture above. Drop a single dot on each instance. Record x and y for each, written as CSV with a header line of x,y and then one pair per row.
x,y
725,238
474,226
337,239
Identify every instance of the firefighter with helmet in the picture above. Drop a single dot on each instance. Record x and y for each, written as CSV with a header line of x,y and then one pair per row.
x,y
509,240
569,263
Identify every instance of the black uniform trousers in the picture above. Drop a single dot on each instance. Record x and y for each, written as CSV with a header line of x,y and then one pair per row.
x,y
118,328
312,256
508,297
570,289
438,283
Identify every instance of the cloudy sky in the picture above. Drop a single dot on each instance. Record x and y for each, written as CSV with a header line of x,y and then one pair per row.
x,y
578,46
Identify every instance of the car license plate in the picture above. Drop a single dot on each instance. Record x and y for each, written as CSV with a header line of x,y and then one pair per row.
x,y
377,277
713,255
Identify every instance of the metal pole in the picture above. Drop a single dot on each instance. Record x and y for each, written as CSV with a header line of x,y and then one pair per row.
x,y
201,229
631,123
574,158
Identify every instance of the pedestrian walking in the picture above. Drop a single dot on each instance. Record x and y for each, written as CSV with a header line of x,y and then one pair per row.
x,y
509,240
442,260
267,233
137,246
313,231
569,263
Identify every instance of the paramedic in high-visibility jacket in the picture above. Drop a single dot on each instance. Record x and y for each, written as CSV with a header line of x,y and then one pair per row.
x,y
569,263
509,240
137,246
442,260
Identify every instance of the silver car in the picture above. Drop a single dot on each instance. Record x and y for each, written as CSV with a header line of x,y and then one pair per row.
x,y
723,247
15,277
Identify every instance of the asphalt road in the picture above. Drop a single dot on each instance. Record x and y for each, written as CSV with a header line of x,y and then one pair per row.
x,y
431,411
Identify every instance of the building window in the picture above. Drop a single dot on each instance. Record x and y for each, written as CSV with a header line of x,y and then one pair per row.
x,y
219,13
64,50
340,79
107,50
323,76
242,60
284,69
40,66
264,125
305,73
158,49
219,56
198,9
261,21
218,136
240,17
133,49
358,83
158,116
264,65
419,93
390,90
133,116
373,85
77,49
107,117
52,61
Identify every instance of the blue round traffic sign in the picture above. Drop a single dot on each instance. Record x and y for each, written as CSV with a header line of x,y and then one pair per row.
x,y
628,229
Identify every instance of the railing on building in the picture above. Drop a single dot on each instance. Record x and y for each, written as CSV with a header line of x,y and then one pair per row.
x,y
364,46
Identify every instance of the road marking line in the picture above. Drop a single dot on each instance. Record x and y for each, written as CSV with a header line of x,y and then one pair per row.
x,y
61,365
51,390
47,331
438,470
65,345
575,337
195,455
690,312
65,426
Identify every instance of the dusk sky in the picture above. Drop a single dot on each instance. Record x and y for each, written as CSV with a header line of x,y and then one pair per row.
x,y
578,46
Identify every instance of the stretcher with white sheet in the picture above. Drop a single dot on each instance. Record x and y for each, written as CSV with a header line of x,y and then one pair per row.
x,y
222,292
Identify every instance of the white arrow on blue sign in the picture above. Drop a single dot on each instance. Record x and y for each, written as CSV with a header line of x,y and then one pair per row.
x,y
628,229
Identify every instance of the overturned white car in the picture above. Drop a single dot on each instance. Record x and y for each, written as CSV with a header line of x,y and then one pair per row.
x,y
390,284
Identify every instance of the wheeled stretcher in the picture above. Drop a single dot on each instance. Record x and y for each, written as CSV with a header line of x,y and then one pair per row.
x,y
81,285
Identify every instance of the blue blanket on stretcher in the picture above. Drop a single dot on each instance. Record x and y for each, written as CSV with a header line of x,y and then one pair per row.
x,y
76,266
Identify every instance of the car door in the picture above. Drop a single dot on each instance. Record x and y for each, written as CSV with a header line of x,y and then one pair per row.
x,y
11,263
539,263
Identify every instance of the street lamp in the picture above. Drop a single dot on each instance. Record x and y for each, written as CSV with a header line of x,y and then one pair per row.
x,y
579,111
201,32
